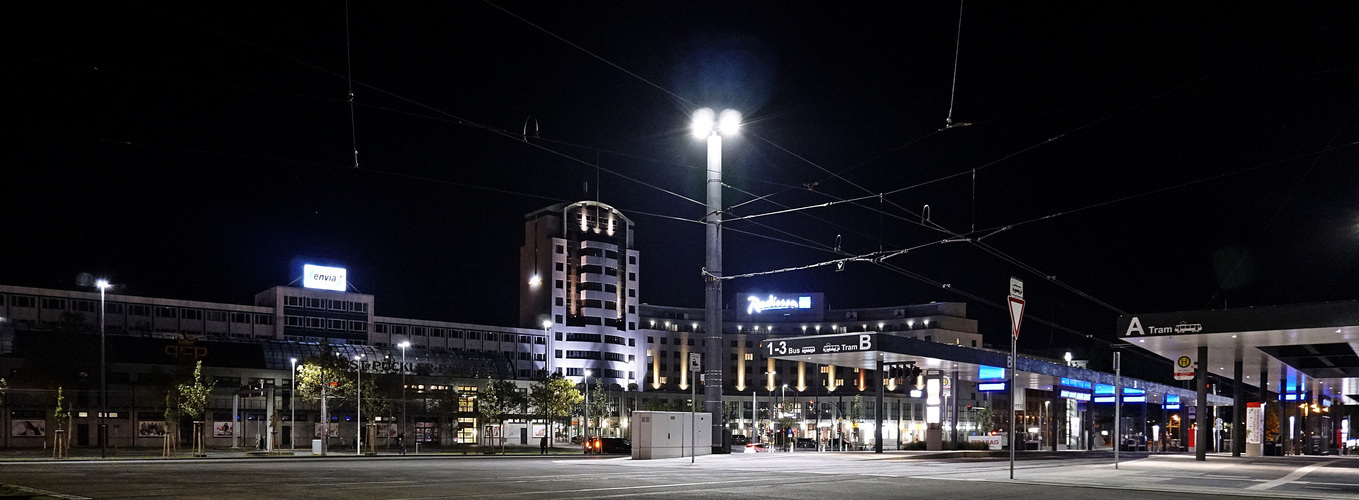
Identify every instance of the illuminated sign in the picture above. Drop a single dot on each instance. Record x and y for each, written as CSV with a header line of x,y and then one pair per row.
x,y
1078,384
1104,399
772,303
323,278
990,372
1076,395
1103,389
991,386
1172,402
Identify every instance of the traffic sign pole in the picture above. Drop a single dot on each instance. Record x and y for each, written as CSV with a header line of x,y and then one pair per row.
x,y
1016,302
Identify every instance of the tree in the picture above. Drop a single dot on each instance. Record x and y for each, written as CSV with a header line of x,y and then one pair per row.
x,y
985,419
855,414
63,417
445,403
193,401
600,406
552,399
500,399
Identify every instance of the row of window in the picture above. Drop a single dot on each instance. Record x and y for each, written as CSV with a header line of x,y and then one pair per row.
x,y
422,331
325,324
333,305
118,308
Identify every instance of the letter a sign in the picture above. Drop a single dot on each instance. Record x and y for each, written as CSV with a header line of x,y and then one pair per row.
x,y
1016,314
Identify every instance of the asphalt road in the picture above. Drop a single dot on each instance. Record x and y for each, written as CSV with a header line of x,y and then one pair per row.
x,y
782,476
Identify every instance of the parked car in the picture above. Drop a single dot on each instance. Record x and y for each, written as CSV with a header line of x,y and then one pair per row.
x,y
804,444
757,447
603,446
739,440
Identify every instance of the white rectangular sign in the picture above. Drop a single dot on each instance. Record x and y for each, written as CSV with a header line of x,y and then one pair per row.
x,y
1016,288
323,278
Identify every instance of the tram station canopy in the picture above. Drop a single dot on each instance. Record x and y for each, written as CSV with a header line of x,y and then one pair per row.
x,y
1302,350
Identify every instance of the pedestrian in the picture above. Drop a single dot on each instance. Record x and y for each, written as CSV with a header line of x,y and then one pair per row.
x,y
401,442
542,445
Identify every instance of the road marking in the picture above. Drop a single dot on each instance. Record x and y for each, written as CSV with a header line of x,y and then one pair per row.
x,y
1286,479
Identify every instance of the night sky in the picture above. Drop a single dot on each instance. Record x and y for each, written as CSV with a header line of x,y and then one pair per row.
x,y
1191,155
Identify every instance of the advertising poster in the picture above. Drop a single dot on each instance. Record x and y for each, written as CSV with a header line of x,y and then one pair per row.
x,y
151,429
334,431
28,428
1255,423
386,430
223,429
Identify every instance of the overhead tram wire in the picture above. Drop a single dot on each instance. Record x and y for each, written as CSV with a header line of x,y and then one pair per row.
x,y
349,77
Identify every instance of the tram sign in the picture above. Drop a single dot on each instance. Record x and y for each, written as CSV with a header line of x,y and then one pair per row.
x,y
821,344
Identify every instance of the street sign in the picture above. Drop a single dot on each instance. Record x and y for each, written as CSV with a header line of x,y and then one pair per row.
x,y
1016,314
1016,288
695,362
1184,368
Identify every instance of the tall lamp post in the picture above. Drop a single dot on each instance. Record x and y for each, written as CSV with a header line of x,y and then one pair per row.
x,y
358,406
404,420
103,285
711,126
292,407
587,407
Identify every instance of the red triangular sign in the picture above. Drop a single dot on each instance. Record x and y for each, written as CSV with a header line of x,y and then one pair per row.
x,y
1016,314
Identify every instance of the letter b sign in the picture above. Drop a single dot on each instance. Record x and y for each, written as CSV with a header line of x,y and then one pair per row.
x,y
865,342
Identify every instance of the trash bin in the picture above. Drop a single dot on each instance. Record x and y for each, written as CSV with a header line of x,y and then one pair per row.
x,y
316,447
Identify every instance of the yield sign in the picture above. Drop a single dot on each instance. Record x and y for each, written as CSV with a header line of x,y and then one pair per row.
x,y
1016,314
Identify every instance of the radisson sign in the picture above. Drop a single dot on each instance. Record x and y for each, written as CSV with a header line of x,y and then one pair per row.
x,y
773,302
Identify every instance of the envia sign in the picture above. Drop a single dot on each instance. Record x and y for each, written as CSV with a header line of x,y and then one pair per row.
x,y
323,278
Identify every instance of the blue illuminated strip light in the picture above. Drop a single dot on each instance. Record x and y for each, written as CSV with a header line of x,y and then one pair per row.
x,y
990,386
1172,402
1076,384
1104,399
1104,390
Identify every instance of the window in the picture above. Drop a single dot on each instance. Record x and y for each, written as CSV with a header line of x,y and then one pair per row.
x,y
632,309
750,357
558,319
194,314
419,331
79,305
358,326
473,335
559,301
733,356
110,308
650,340
57,304
559,353
632,292
560,249
632,259
242,318
138,310
292,321
560,266
398,329
360,307
315,323
316,303
379,328
663,339
216,315
22,301
632,342
559,284
491,336
264,319
691,342
677,354
165,312
733,343
337,305
292,301
632,276
575,372
335,324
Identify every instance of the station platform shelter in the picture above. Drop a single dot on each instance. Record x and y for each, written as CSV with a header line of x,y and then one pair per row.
x,y
1300,361
1065,398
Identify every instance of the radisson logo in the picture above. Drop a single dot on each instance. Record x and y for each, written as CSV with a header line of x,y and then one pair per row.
x,y
758,305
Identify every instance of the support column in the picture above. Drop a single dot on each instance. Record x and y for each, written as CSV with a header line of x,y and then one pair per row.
x,y
1283,411
877,413
953,387
268,417
1205,422
1238,408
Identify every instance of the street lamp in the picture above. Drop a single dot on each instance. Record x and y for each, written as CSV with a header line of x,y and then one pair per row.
x,y
358,406
708,125
404,420
587,406
292,419
783,399
102,285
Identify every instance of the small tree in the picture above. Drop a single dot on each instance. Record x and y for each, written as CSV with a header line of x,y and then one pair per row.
x,y
553,398
600,406
193,401
985,419
62,443
855,414
497,402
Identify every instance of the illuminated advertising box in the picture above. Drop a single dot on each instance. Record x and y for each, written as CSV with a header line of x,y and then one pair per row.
x,y
781,306
324,278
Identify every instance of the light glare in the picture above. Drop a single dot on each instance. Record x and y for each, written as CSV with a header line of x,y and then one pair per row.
x,y
703,123
730,122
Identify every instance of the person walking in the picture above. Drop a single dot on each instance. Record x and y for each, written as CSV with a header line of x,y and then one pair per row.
x,y
401,442
542,445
